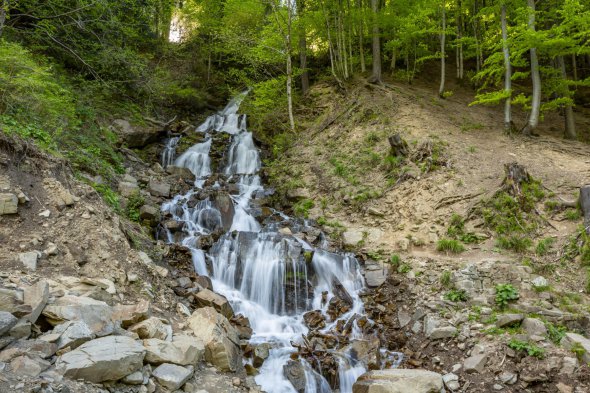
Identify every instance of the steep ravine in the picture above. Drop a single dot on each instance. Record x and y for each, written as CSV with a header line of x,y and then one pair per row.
x,y
301,297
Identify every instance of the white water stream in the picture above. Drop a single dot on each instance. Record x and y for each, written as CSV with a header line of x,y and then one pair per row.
x,y
261,272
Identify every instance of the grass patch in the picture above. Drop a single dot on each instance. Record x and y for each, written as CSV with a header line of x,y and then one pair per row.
x,y
445,279
544,246
450,246
303,207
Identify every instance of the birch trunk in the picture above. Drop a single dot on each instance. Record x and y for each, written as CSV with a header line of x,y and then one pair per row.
x,y
508,125
441,89
376,77
361,32
536,78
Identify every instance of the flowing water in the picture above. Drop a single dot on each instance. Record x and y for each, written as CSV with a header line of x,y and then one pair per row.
x,y
266,275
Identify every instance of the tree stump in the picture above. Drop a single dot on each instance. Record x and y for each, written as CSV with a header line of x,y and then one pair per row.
x,y
585,206
399,147
515,176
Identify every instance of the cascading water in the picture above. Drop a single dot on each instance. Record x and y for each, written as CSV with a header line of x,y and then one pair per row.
x,y
269,277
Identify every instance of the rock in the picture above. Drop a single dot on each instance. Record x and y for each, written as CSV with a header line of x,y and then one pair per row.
x,y
45,213
434,331
534,327
149,213
8,204
135,136
73,334
103,283
29,259
569,366
104,359
509,320
451,381
7,321
132,314
157,188
399,381
352,238
38,348
367,351
540,282
261,353
574,340
222,345
508,378
172,376
298,194
28,366
22,329
475,363
563,388
183,350
36,297
152,327
180,172
404,318
184,282
295,373
314,319
375,278
96,314
127,189
135,378
207,298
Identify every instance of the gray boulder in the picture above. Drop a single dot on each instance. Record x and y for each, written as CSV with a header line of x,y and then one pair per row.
x,y
172,376
399,381
574,340
183,350
8,204
7,321
135,136
104,359
207,298
95,313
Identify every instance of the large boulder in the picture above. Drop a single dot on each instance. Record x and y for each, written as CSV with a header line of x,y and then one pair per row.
x,y
152,328
7,321
399,381
207,298
578,343
222,344
97,314
183,350
135,136
171,376
104,359
36,297
8,204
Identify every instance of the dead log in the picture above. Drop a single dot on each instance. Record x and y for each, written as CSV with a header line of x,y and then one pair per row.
x,y
585,205
399,147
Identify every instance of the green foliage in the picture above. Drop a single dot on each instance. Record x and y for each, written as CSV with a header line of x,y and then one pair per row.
x,y
108,195
134,203
395,260
573,214
404,268
455,295
303,207
544,246
445,279
456,230
578,350
450,245
555,332
530,348
505,293
516,243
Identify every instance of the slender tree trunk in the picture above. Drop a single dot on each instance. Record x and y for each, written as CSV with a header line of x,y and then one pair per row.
x,y
290,6
568,110
361,38
443,35
575,67
508,125
303,50
350,56
3,8
536,78
393,60
376,77
460,24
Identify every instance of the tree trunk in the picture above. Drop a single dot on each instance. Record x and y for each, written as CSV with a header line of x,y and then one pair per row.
x,y
570,122
393,61
3,9
376,77
361,32
575,67
441,89
585,206
536,78
303,51
508,124
460,38
289,65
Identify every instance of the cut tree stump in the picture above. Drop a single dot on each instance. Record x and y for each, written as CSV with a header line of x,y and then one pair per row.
x,y
399,147
515,176
585,205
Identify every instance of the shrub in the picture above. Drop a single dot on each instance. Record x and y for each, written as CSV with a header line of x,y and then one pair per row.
x,y
303,207
134,203
516,243
450,245
455,295
445,279
505,293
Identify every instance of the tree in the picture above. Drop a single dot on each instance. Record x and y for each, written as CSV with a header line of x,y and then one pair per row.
x,y
376,46
535,77
443,34
303,49
508,124
3,8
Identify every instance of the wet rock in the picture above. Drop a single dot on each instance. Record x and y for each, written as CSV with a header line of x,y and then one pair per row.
x,y
172,376
242,325
152,327
399,381
7,321
8,204
104,359
180,172
295,373
337,307
314,319
261,353
367,351
29,259
509,320
207,298
574,340
157,188
183,350
222,344
475,363
534,327
225,206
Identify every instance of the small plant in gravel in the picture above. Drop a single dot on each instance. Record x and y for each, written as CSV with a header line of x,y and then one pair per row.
x,y
450,245
578,350
404,268
572,215
395,260
445,279
505,293
544,246
456,295
555,332
303,207
134,203
529,348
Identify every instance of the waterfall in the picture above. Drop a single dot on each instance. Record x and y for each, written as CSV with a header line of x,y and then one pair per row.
x,y
169,153
269,277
